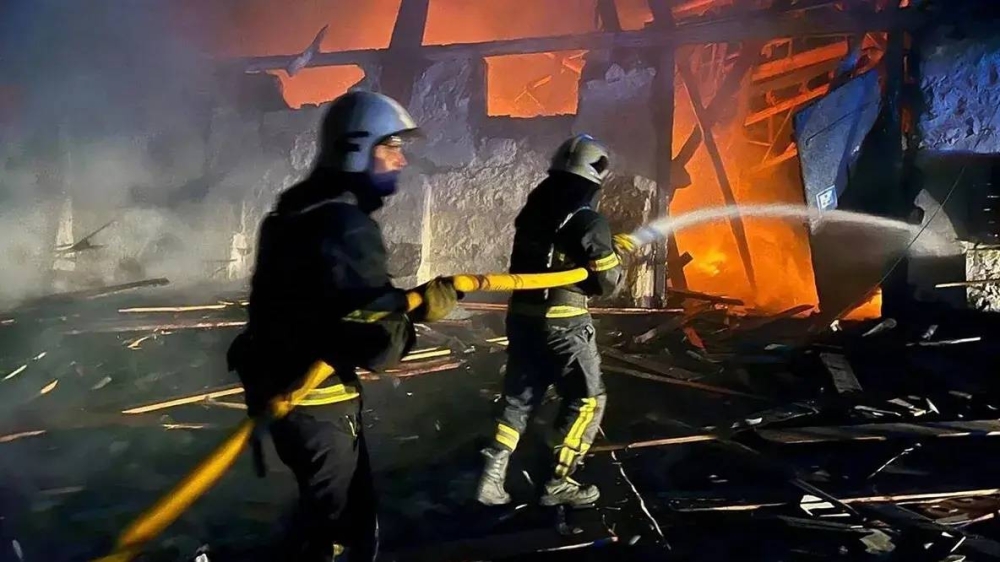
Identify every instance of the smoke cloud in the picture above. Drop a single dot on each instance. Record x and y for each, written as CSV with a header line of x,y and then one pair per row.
x,y
114,108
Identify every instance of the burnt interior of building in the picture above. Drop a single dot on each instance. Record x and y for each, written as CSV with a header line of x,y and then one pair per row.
x,y
778,379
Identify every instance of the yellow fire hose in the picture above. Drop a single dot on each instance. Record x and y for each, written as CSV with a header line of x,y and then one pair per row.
x,y
165,511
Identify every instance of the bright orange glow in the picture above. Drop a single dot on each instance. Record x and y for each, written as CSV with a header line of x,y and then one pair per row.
x,y
315,86
872,308
779,249
474,21
275,27
633,14
533,85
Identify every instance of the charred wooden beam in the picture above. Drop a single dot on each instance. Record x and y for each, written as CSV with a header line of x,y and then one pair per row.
x,y
708,139
899,498
791,152
723,96
837,434
95,293
677,382
764,25
662,101
786,105
401,63
800,61
608,13
648,364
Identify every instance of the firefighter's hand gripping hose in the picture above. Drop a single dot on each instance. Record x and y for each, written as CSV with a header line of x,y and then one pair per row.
x,y
165,511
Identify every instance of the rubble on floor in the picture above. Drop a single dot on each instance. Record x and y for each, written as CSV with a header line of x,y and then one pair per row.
x,y
728,436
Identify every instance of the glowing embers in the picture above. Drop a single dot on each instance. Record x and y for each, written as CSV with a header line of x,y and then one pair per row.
x,y
474,21
779,248
871,308
318,85
533,85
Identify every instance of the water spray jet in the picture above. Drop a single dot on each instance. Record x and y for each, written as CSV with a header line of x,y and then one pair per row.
x,y
663,227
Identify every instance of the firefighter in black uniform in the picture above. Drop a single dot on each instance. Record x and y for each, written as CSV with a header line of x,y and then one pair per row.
x,y
550,332
321,291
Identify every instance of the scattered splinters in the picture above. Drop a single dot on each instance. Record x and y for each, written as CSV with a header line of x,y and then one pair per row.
x,y
16,372
49,387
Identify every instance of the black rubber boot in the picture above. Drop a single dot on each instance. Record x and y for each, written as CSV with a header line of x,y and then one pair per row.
x,y
491,484
566,491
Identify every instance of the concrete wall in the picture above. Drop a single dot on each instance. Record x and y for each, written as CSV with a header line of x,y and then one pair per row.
x,y
959,128
960,81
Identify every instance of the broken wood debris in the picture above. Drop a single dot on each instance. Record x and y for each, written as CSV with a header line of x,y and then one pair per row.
x,y
21,435
89,294
679,382
832,434
108,329
652,366
902,499
970,283
167,309
841,373
208,397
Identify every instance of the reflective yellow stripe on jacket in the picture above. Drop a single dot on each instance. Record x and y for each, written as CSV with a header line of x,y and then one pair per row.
x,y
603,264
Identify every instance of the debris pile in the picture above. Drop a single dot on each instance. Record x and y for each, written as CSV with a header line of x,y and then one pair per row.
x,y
866,441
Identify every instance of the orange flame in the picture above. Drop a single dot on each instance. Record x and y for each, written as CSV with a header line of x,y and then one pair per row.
x,y
779,249
535,84
314,86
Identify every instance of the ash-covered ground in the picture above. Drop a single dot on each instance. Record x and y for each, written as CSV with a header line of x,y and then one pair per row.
x,y
732,421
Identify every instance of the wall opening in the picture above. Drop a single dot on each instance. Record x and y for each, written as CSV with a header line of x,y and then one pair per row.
x,y
317,85
533,85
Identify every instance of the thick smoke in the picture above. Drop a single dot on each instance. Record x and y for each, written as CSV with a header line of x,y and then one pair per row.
x,y
114,109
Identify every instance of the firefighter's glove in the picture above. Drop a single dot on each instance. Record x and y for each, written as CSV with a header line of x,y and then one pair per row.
x,y
439,296
625,244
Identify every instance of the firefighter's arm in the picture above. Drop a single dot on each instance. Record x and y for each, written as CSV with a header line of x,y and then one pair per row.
x,y
375,333
598,255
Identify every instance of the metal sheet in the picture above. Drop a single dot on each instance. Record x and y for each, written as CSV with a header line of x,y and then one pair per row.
x,y
829,133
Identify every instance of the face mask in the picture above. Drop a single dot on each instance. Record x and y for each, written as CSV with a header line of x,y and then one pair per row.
x,y
384,184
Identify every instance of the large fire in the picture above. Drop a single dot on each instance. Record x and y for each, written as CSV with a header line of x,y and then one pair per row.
x,y
779,249
537,85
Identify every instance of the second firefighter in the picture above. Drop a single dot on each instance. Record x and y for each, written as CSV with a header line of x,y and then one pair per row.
x,y
551,333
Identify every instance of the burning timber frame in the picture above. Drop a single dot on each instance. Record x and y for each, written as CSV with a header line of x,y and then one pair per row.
x,y
406,57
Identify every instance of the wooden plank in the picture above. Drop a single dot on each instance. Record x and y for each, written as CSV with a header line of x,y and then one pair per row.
x,y
724,95
88,294
791,152
882,432
678,382
786,105
649,365
836,434
708,139
841,372
971,283
608,13
401,63
662,103
800,61
764,25
901,498
231,390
